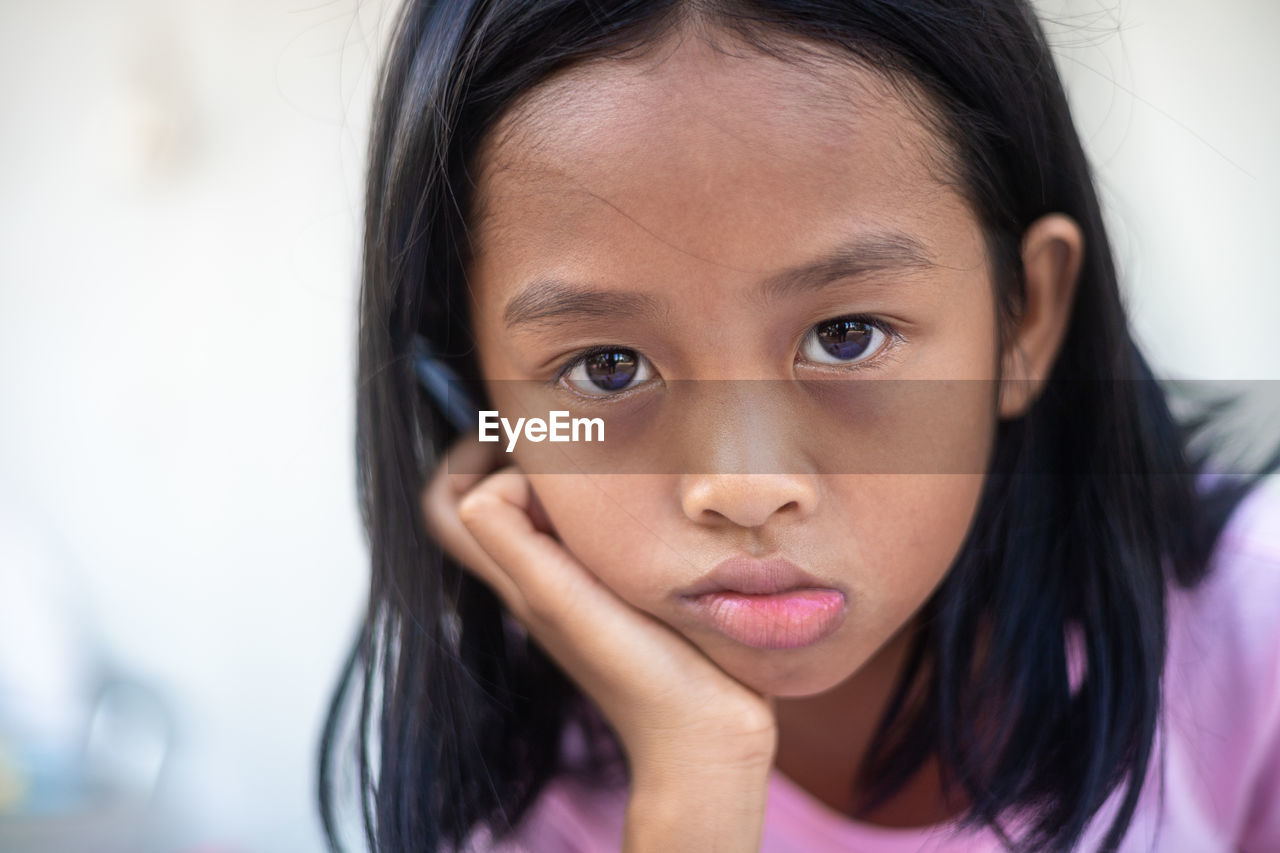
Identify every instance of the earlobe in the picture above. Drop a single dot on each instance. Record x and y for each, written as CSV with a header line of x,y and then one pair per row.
x,y
1052,254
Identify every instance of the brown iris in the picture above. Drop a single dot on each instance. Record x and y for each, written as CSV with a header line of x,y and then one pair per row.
x,y
611,370
845,339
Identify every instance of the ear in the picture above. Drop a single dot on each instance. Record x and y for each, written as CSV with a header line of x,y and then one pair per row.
x,y
1052,253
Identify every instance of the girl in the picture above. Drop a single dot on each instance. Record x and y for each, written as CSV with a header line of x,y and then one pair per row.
x,y
892,542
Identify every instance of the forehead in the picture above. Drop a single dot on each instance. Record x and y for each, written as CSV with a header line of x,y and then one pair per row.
x,y
709,155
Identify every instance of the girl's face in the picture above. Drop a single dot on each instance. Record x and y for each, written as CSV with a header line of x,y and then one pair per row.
x,y
662,209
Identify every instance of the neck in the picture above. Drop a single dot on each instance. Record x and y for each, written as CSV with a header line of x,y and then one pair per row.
x,y
822,740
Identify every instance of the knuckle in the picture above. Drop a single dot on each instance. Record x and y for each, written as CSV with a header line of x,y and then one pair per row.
x,y
473,506
753,720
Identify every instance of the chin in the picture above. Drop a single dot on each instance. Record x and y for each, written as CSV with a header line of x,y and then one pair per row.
x,y
786,675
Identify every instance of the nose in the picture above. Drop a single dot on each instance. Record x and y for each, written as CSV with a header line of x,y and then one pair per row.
x,y
747,500
746,452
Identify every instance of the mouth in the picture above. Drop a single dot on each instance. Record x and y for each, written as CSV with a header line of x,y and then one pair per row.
x,y
753,577
765,604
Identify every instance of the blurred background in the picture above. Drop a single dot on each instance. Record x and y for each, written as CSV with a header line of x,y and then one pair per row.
x,y
181,561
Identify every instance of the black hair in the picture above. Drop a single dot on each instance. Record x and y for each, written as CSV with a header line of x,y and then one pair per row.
x,y
1095,486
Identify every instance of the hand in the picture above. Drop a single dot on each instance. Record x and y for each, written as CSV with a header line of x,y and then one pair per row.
x,y
678,714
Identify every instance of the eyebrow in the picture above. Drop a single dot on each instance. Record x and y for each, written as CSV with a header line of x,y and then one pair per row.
x,y
552,302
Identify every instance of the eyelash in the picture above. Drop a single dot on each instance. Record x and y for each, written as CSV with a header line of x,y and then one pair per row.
x,y
891,335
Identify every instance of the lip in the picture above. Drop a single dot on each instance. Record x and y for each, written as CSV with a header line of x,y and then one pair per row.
x,y
783,620
749,576
766,604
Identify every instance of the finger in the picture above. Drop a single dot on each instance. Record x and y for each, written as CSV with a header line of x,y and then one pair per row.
x,y
468,461
439,504
594,635
556,587
642,674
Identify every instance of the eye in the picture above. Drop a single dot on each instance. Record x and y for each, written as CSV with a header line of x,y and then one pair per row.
x,y
605,372
845,340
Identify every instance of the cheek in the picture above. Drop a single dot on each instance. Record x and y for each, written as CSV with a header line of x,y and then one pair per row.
x,y
599,521
912,529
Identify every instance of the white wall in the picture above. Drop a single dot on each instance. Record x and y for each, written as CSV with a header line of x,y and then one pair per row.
x,y
1176,100
178,230
180,221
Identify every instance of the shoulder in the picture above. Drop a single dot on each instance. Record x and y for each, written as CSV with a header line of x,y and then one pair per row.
x,y
1222,678
1234,613
1254,527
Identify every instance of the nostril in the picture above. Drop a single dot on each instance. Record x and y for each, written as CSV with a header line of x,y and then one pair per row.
x,y
745,500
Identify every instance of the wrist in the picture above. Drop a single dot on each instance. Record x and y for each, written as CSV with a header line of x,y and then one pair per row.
x,y
669,778
688,807
744,750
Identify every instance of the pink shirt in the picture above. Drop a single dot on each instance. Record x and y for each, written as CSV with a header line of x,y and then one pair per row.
x,y
1222,724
